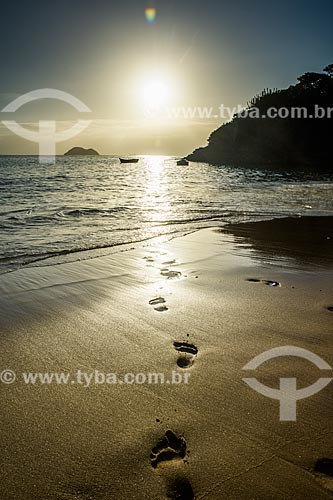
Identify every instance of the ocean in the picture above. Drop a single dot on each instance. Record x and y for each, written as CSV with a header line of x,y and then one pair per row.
x,y
83,206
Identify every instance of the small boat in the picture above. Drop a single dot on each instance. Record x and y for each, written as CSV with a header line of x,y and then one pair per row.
x,y
128,160
182,162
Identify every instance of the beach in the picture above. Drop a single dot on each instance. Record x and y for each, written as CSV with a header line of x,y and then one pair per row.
x,y
204,305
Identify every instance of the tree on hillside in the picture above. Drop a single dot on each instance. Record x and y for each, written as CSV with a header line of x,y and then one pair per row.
x,y
329,70
315,81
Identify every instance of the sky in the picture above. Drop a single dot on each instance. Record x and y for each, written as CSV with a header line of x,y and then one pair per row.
x,y
139,78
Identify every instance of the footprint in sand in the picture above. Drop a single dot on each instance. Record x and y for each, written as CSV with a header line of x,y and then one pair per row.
x,y
323,470
188,353
266,282
160,303
271,283
148,259
324,466
169,262
180,489
161,308
170,447
170,274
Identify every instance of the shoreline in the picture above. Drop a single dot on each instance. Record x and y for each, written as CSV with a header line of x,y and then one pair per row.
x,y
63,257
205,155
200,304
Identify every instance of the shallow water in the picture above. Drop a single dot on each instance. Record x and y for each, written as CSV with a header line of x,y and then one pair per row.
x,y
85,203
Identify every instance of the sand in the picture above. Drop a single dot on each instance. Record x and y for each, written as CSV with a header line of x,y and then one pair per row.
x,y
182,307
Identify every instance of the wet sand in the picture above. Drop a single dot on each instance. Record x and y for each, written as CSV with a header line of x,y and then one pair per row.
x,y
203,306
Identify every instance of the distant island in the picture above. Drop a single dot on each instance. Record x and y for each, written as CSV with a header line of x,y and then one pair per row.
x,y
253,139
77,151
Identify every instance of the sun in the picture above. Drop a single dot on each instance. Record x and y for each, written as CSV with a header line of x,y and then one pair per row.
x,y
155,92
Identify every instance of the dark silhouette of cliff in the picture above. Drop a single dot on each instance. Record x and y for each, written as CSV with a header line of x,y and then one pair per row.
x,y
293,141
77,151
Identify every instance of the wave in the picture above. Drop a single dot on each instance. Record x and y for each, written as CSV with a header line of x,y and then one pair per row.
x,y
10,263
30,216
78,212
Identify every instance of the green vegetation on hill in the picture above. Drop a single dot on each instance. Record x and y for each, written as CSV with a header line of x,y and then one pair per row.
x,y
252,138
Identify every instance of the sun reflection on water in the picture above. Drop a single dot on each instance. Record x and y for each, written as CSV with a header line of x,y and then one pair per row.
x,y
156,200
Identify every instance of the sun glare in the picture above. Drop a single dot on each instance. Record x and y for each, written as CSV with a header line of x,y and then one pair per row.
x,y
155,92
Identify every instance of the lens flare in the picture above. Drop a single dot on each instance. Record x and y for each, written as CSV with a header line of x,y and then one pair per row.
x,y
150,14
